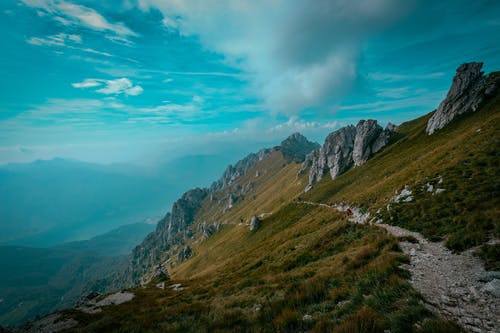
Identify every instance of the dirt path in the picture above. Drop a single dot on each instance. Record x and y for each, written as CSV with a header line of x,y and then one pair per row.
x,y
455,286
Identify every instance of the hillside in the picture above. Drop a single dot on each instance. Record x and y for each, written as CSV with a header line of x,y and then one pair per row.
x,y
255,252
35,281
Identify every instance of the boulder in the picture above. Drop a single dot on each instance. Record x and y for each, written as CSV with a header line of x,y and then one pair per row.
x,y
255,223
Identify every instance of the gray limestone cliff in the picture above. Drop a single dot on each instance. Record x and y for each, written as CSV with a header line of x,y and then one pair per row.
x,y
171,230
370,138
470,87
347,147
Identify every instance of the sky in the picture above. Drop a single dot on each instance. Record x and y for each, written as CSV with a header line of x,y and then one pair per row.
x,y
127,80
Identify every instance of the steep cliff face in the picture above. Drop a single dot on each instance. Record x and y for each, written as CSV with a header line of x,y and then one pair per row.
x,y
469,89
349,146
171,230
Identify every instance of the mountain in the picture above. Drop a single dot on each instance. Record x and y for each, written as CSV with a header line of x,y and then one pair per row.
x,y
50,202
55,201
402,237
118,241
35,281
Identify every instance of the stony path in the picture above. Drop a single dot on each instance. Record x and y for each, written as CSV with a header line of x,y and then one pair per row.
x,y
455,286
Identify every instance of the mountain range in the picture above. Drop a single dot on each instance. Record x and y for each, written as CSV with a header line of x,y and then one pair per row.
x,y
377,230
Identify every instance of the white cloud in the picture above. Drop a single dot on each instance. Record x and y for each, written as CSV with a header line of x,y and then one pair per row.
x,y
87,83
71,14
295,124
111,87
55,40
119,40
119,86
69,41
298,54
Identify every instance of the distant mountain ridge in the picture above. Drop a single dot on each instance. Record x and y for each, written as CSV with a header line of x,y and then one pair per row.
x,y
35,281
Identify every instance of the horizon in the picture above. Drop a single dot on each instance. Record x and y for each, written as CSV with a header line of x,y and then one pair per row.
x,y
128,82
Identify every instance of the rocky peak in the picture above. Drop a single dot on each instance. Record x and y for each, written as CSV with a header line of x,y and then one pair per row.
x,y
367,132
468,90
239,169
370,138
344,148
296,147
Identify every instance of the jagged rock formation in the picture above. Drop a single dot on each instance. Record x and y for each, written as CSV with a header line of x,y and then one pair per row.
x,y
296,147
344,148
160,273
208,230
469,89
240,168
183,212
370,138
255,223
172,229
186,253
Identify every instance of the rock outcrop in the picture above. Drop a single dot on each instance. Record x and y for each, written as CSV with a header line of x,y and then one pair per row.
x,y
296,147
186,253
349,146
467,92
240,168
183,212
160,273
208,230
370,138
171,230
255,223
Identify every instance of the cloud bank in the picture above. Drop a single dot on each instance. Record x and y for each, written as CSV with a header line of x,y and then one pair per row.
x,y
298,54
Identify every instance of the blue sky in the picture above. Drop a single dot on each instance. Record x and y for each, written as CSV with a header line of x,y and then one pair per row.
x,y
124,80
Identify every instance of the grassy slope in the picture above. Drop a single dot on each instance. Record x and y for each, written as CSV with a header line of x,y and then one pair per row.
x,y
307,260
468,160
